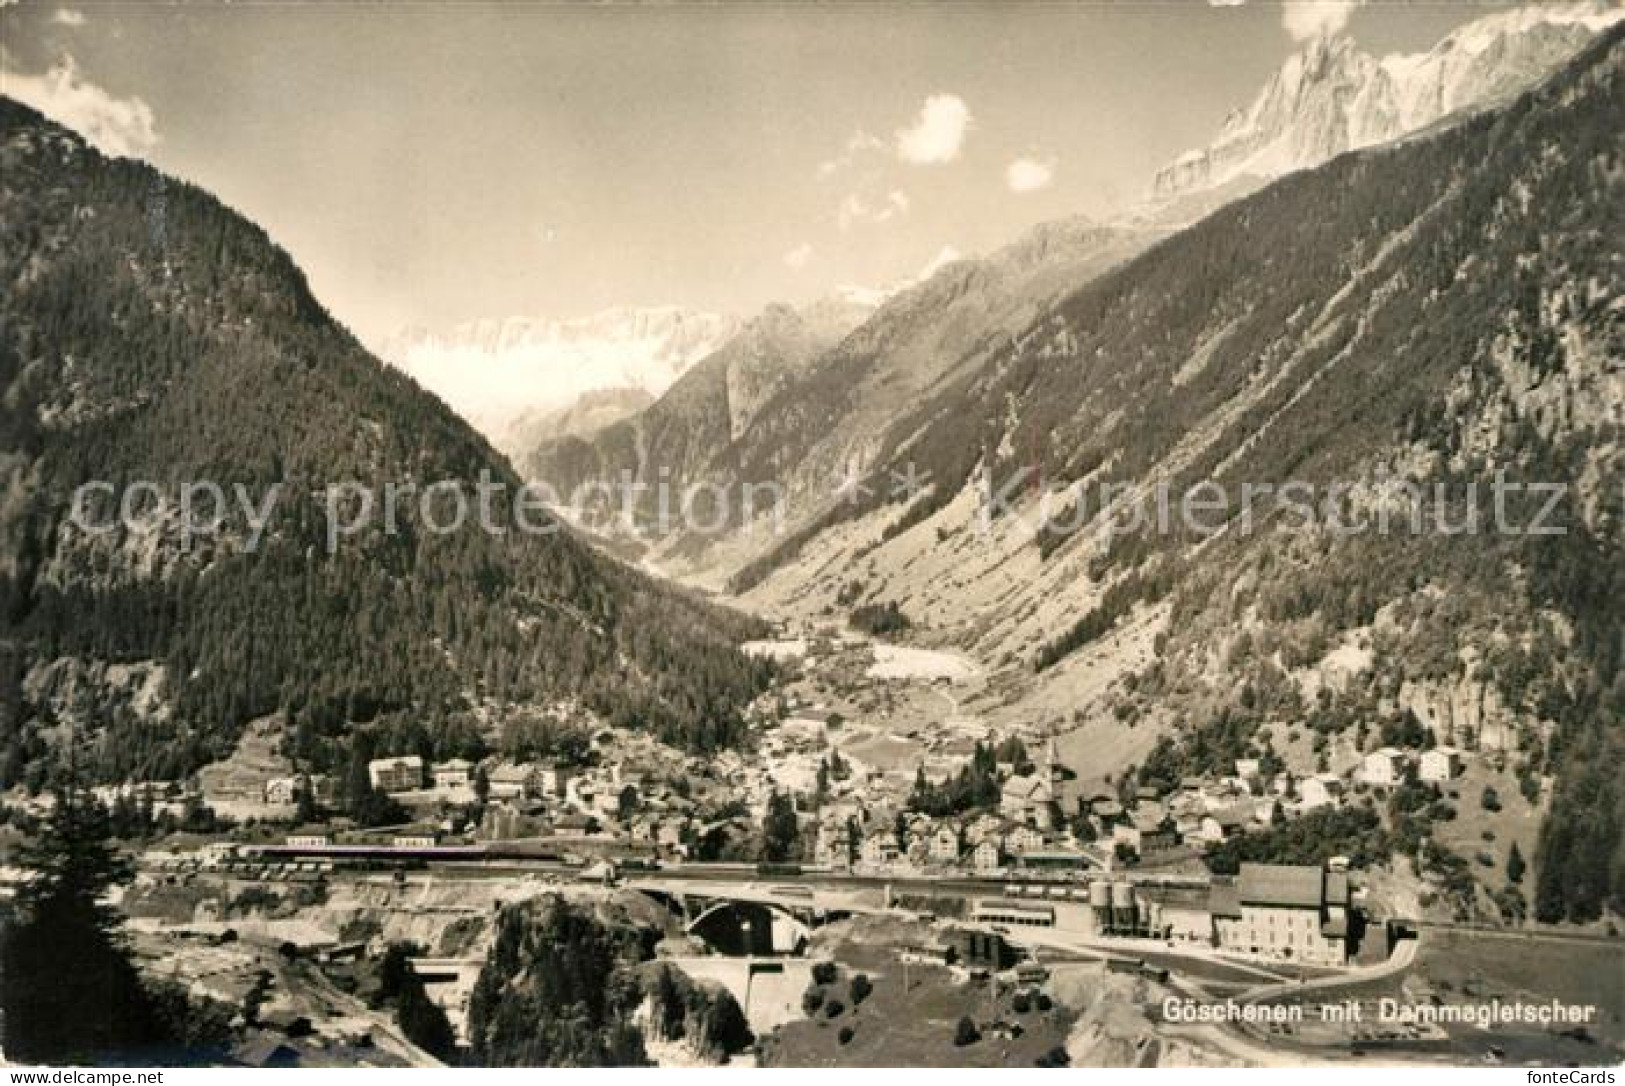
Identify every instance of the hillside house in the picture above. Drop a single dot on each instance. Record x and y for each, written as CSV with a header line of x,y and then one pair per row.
x,y
1384,768
1226,823
832,846
945,845
1321,790
984,827
1022,840
880,849
455,773
510,781
401,774
282,791
1027,799
1156,831
1440,764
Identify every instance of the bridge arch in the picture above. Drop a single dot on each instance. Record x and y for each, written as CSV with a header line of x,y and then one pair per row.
x,y
749,928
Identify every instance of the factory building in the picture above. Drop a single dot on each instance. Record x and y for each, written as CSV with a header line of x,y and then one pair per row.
x,y
1289,913
1024,914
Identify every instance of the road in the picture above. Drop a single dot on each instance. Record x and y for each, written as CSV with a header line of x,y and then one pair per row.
x,y
1524,934
1400,960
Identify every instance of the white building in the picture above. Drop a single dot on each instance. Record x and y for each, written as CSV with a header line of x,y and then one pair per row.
x,y
880,849
1384,768
1022,840
403,774
1440,764
832,846
510,781
282,790
455,773
1287,913
1025,799
1321,790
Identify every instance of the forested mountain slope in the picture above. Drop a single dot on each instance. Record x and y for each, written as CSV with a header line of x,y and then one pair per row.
x,y
149,333
1439,313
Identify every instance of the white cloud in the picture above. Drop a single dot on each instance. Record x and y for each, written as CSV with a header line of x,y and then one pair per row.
x,y
1225,3
797,258
117,126
1029,174
858,143
1306,19
938,133
68,17
856,209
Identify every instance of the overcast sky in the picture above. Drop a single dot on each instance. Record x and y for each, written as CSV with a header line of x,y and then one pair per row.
x,y
434,163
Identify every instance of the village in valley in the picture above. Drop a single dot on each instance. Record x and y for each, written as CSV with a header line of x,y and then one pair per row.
x,y
874,816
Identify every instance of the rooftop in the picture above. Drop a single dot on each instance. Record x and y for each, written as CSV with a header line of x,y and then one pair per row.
x,y
1283,885
1224,901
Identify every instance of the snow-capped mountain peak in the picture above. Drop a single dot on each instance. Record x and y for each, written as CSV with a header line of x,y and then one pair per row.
x,y
1331,96
494,372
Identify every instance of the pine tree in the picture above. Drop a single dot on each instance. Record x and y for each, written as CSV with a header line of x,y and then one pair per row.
x,y
726,1030
68,989
780,829
669,1008
308,812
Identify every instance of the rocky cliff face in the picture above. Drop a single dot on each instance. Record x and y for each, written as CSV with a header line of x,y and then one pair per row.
x,y
1332,97
677,438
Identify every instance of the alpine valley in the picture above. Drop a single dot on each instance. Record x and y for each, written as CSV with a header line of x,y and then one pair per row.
x,y
1433,311
1213,603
